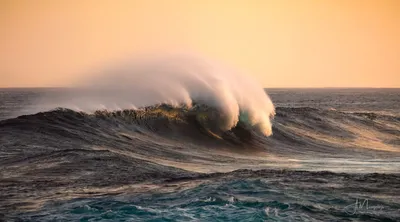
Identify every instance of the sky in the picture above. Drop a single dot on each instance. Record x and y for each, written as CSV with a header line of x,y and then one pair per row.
x,y
281,43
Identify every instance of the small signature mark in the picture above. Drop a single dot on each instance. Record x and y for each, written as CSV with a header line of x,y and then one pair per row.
x,y
362,206
359,206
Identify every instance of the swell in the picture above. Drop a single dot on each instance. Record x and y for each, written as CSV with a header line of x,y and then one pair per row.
x,y
295,130
189,139
333,128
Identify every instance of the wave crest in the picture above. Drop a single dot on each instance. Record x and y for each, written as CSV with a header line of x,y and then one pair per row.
x,y
174,81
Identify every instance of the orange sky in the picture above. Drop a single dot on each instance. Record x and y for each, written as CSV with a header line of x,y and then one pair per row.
x,y
282,43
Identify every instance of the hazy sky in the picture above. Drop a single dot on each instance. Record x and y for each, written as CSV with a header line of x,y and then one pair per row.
x,y
282,43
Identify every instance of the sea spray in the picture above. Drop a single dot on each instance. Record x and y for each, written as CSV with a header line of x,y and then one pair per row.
x,y
175,80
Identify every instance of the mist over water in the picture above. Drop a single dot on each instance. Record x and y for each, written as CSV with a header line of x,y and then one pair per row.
x,y
174,80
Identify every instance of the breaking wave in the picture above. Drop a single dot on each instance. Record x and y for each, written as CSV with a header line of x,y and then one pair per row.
x,y
296,130
174,81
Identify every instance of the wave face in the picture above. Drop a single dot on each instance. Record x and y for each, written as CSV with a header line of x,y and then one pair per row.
x,y
297,131
175,81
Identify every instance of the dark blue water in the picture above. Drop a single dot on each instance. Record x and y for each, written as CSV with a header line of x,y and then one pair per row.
x,y
275,196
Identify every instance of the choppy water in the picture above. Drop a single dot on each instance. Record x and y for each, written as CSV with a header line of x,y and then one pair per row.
x,y
170,164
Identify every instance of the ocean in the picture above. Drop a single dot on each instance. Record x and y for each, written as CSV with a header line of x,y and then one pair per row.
x,y
333,155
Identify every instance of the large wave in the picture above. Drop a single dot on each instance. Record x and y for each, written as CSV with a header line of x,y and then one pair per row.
x,y
177,81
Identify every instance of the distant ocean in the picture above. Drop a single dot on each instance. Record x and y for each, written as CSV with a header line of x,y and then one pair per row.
x,y
334,155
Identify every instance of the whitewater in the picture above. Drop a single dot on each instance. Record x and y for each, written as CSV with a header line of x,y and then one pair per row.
x,y
185,139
